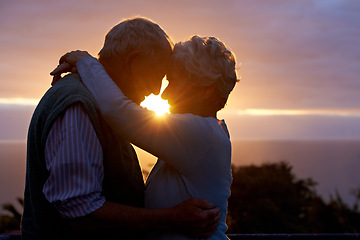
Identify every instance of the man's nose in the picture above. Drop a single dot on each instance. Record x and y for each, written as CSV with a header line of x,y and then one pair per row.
x,y
156,91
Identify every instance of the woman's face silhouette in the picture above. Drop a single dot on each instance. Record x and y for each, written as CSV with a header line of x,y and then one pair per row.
x,y
182,96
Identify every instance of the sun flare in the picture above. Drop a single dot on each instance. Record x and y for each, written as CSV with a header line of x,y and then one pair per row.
x,y
156,103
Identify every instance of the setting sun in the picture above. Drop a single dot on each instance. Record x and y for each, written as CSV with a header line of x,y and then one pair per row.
x,y
156,103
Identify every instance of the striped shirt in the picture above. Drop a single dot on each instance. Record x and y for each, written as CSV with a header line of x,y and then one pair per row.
x,y
74,160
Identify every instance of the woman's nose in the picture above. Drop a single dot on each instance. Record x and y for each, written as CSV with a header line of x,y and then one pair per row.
x,y
165,94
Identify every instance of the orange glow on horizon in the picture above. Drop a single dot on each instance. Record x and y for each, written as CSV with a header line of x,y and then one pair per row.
x,y
19,101
161,106
299,112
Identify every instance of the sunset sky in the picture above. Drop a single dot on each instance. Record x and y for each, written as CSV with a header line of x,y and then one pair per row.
x,y
299,60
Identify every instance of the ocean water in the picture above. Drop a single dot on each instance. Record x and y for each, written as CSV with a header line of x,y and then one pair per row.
x,y
333,164
12,172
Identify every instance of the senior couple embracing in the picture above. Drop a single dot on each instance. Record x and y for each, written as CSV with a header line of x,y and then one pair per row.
x,y
83,179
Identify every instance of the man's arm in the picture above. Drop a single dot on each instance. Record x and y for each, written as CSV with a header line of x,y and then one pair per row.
x,y
74,160
194,217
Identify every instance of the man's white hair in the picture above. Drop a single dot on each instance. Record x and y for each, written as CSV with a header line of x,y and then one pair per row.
x,y
135,34
205,62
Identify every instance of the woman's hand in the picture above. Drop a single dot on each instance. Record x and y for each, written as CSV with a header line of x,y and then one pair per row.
x,y
68,64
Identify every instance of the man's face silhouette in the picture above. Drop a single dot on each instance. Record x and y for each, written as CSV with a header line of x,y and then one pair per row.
x,y
146,77
139,76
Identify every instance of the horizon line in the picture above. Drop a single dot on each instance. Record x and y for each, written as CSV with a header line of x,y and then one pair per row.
x,y
300,112
18,101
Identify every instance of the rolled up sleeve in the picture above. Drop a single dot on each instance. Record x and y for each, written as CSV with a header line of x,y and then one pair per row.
x,y
74,160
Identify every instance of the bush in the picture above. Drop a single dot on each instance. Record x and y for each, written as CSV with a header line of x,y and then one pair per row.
x,y
270,199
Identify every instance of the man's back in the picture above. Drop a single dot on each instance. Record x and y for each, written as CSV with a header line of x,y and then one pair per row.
x,y
40,216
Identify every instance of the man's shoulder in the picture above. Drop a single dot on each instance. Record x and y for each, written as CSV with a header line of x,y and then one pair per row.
x,y
71,83
65,93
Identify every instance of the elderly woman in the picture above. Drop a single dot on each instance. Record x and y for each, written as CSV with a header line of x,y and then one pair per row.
x,y
192,145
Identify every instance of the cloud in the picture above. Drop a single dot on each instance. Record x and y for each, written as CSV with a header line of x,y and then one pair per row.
x,y
292,127
14,121
250,124
294,55
301,55
18,102
300,112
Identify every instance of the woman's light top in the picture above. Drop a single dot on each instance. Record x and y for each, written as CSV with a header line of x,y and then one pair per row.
x,y
194,152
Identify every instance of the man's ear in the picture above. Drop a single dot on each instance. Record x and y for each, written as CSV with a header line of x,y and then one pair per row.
x,y
131,60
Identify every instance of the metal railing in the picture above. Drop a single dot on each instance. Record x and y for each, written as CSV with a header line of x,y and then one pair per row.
x,y
340,236
334,236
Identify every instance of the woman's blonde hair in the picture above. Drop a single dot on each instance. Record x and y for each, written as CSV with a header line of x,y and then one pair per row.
x,y
205,62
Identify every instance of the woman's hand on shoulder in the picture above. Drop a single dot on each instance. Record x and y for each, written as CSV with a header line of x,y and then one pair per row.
x,y
67,63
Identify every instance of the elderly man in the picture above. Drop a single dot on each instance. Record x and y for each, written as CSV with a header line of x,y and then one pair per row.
x,y
82,180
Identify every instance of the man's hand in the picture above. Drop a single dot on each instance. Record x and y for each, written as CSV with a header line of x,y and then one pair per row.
x,y
67,63
196,218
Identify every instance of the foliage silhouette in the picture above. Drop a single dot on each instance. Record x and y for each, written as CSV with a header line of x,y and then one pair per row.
x,y
10,223
270,199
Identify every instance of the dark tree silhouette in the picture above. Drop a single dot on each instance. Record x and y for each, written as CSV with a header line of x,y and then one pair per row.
x,y
11,223
9,207
270,199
